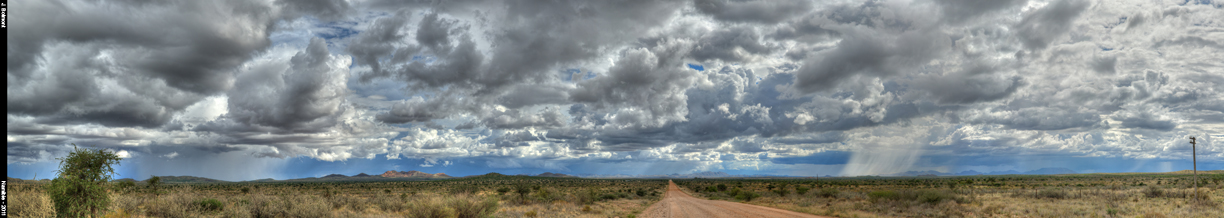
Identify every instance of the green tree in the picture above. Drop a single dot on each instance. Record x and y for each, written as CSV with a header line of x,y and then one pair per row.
x,y
80,189
125,185
153,182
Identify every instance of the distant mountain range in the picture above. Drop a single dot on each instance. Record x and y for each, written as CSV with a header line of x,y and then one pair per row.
x,y
1042,171
412,174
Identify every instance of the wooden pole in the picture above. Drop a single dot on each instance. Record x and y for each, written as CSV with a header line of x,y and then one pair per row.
x,y
1194,162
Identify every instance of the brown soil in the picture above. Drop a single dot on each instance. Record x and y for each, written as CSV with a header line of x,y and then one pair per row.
x,y
678,204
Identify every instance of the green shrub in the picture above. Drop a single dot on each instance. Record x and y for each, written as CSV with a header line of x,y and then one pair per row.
x,y
782,191
801,190
711,189
153,182
246,190
746,196
209,204
125,185
722,187
933,197
877,196
828,192
80,190
640,192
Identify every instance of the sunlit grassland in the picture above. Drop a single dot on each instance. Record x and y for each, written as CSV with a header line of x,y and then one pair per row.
x,y
1081,195
486,196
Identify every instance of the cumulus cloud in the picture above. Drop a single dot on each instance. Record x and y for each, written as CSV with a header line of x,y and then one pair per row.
x,y
690,85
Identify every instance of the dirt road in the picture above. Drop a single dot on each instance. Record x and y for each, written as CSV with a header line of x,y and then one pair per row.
x,y
678,204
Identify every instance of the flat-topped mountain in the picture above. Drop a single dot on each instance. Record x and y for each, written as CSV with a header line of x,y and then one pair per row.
x,y
412,174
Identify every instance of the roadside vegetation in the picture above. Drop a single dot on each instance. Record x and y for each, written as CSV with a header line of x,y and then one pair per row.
x,y
496,195
1081,195
491,195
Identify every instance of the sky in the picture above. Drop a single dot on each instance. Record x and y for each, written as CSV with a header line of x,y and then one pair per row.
x,y
251,89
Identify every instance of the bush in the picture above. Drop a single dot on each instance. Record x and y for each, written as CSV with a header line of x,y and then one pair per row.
x,y
1052,193
920,196
746,196
459,207
711,189
801,190
828,192
153,182
1153,192
246,190
81,188
125,185
933,197
640,192
722,187
782,191
877,196
473,208
209,204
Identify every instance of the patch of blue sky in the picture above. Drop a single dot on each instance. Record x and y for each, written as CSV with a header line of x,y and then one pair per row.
x,y
696,67
335,30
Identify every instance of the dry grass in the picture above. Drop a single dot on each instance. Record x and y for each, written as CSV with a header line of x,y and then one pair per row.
x,y
28,200
1137,195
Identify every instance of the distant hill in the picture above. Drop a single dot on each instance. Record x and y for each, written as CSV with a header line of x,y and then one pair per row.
x,y
548,174
412,174
1049,171
335,176
361,175
186,179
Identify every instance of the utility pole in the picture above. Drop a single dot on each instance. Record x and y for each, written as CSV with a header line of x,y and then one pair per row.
x,y
1194,161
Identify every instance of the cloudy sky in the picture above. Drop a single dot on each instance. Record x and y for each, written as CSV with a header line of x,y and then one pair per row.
x,y
250,89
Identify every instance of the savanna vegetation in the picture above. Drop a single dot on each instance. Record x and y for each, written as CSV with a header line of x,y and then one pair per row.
x,y
1079,195
83,188
491,195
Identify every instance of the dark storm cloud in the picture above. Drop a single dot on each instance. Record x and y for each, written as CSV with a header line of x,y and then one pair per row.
x,y
958,11
520,96
1105,65
753,11
552,33
646,84
419,109
322,8
965,89
1038,29
870,55
1039,118
729,45
301,95
164,56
